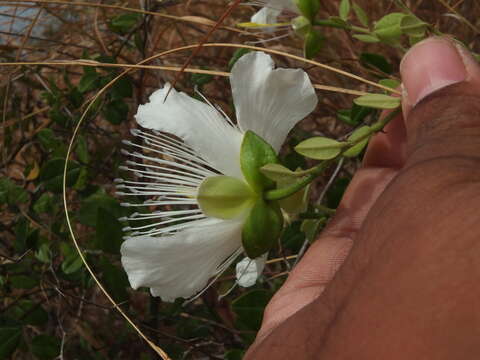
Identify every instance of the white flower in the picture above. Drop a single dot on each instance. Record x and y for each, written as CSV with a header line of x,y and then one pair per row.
x,y
269,13
183,248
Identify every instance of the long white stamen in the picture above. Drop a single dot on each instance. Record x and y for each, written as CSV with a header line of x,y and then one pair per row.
x,y
192,217
160,215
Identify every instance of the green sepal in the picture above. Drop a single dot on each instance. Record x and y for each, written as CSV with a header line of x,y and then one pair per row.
x,y
255,153
313,43
320,148
262,228
364,133
308,8
224,197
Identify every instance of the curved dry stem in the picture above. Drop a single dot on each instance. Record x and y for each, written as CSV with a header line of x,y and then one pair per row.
x,y
168,68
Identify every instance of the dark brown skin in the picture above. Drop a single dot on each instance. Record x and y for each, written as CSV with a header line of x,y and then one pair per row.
x,y
396,275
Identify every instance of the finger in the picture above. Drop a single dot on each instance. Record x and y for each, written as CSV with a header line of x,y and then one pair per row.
x,y
320,263
441,100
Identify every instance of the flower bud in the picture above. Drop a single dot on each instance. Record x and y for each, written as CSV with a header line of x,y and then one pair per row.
x,y
308,8
262,228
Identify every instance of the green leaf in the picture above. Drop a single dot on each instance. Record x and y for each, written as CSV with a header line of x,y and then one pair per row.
x,y
44,204
115,280
237,55
48,139
313,43
249,308
338,22
72,261
295,203
378,101
319,148
255,153
82,150
23,282
413,26
336,191
29,313
45,347
391,83
293,237
308,8
355,115
88,82
51,174
262,228
124,23
364,132
115,111
9,340
388,28
277,172
311,228
43,254
368,38
122,88
377,62
108,235
88,212
11,193
224,197
344,9
201,79
361,14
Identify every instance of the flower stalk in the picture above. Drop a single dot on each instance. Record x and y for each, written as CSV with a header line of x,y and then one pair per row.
x,y
317,170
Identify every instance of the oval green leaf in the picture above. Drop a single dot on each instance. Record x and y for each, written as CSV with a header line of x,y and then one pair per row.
x,y
413,26
277,172
344,9
362,135
389,27
378,101
224,197
319,148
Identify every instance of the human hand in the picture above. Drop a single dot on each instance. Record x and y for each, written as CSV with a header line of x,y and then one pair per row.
x,y
395,274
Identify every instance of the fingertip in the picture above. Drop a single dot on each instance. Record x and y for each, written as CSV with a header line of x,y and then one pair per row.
x,y
431,65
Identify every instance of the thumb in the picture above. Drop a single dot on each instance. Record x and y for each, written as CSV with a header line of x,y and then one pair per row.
x,y
441,100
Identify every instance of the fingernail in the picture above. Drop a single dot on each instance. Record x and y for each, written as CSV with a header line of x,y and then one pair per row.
x,y
429,66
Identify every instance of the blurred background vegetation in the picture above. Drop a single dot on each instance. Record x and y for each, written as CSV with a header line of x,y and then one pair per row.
x,y
49,306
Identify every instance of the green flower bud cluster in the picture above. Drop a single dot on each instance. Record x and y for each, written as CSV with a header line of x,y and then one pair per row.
x,y
303,26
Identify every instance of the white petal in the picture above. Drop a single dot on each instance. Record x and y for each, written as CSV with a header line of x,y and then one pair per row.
x,y
248,270
266,15
270,102
181,265
200,125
